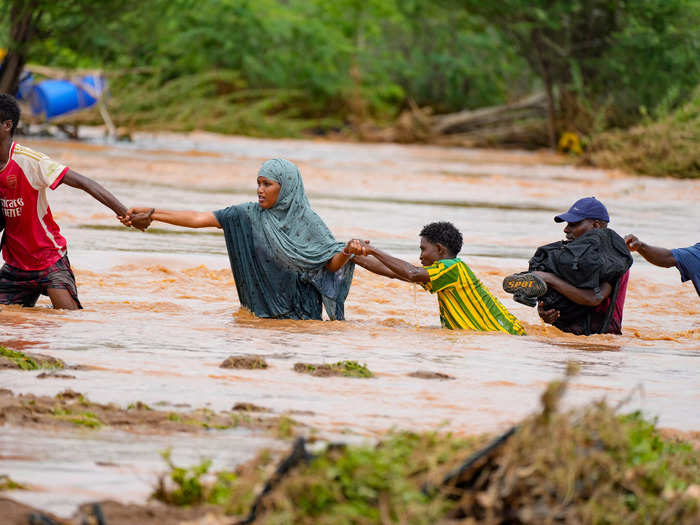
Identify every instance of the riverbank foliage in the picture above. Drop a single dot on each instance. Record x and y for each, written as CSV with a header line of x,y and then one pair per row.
x,y
588,465
279,68
669,146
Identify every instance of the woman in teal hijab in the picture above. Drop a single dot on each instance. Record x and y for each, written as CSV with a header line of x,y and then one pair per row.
x,y
285,261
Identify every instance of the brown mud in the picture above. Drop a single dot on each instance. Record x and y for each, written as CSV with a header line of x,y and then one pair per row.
x,y
115,513
70,409
247,362
424,374
54,375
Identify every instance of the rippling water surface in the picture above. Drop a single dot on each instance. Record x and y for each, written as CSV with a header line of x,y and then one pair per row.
x,y
161,310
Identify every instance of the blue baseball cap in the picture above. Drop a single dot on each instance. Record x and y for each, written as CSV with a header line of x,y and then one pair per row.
x,y
586,208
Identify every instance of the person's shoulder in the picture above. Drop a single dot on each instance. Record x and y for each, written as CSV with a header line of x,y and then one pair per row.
x,y
691,252
695,248
442,267
235,210
453,264
23,152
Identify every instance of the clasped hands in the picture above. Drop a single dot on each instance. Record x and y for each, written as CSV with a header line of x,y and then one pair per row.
x,y
139,217
357,247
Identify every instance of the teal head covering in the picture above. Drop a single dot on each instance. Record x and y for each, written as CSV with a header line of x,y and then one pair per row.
x,y
297,237
278,255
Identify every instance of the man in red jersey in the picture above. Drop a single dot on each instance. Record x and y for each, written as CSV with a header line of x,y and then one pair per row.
x,y
33,248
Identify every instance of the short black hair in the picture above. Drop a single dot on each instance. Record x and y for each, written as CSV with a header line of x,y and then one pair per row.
x,y
443,233
9,110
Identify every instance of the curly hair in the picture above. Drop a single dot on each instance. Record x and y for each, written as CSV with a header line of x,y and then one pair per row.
x,y
443,233
9,110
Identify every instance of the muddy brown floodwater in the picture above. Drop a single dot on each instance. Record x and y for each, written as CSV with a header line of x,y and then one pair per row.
x,y
161,310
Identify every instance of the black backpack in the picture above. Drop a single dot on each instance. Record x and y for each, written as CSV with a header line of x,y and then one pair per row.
x,y
596,257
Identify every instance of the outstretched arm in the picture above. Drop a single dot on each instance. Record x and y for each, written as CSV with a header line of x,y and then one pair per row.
x,y
186,218
654,254
100,193
403,269
76,180
375,266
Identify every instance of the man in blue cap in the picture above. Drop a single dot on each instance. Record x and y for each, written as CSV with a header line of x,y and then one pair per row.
x,y
585,215
687,260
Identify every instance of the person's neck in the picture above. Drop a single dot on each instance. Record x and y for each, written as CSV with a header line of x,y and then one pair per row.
x,y
5,145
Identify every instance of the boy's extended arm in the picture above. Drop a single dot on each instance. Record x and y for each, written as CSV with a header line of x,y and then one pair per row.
x,y
375,266
100,193
76,180
403,269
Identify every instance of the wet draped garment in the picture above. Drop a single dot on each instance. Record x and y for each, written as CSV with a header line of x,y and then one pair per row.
x,y
278,255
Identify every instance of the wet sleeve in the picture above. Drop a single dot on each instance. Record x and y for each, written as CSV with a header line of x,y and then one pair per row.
x,y
225,216
688,262
441,276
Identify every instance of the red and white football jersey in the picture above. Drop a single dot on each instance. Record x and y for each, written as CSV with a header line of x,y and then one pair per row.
x,y
32,238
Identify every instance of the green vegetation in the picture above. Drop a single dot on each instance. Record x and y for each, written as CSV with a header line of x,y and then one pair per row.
x,y
280,68
666,147
7,483
341,368
83,419
589,465
285,427
26,362
601,62
195,486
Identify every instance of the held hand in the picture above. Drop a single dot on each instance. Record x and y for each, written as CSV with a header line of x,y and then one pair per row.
x,y
141,221
633,243
548,316
356,247
139,218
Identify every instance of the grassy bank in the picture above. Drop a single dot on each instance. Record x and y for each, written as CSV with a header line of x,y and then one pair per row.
x,y
589,465
669,147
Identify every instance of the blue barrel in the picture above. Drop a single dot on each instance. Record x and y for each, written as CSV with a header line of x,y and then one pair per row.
x,y
52,98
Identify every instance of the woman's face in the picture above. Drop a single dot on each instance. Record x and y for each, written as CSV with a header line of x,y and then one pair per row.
x,y
268,191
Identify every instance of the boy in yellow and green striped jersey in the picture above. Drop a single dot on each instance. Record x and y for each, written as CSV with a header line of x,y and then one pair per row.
x,y
464,301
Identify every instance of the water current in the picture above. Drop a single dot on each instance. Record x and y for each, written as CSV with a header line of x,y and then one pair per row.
x,y
161,310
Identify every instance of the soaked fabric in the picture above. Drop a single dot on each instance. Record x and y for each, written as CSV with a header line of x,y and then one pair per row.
x,y
296,236
465,303
601,311
24,287
33,240
688,264
281,274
